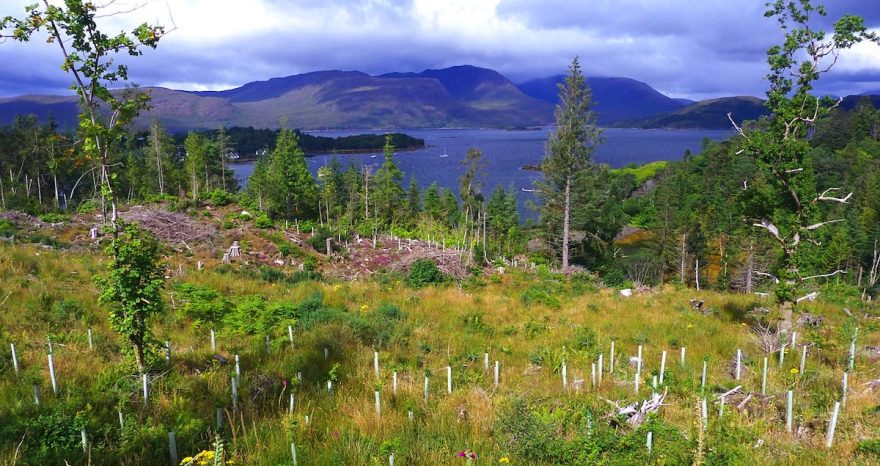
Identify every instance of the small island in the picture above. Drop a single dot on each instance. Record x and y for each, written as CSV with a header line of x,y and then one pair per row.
x,y
248,143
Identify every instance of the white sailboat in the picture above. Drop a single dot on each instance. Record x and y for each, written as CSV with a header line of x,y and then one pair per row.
x,y
444,154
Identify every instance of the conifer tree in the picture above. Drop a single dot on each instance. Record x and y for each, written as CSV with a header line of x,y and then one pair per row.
x,y
569,152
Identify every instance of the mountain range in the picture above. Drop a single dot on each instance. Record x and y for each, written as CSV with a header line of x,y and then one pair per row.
x,y
460,96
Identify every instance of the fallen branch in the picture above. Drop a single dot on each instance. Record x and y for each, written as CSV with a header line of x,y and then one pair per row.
x,y
729,392
810,297
635,415
742,404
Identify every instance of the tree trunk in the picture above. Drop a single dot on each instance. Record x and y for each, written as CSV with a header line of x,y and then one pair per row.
x,y
683,252
750,270
57,198
366,195
159,162
785,312
566,214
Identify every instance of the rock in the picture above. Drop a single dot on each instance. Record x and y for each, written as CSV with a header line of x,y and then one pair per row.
x,y
626,292
810,320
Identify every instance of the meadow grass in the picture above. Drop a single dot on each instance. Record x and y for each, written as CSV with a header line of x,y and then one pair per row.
x,y
529,322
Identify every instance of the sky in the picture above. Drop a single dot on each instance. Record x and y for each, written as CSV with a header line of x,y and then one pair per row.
x,y
684,48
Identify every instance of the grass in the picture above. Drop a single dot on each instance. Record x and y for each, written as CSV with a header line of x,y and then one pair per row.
x,y
529,418
644,172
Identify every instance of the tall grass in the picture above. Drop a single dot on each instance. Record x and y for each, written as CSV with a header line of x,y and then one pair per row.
x,y
51,293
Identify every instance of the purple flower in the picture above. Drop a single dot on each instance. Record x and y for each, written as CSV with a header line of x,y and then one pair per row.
x,y
462,454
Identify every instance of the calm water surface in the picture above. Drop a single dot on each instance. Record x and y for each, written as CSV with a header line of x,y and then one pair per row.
x,y
507,151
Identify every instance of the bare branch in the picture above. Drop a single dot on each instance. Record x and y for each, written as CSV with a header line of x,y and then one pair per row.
x,y
736,126
825,197
771,228
119,12
816,226
765,274
794,170
824,275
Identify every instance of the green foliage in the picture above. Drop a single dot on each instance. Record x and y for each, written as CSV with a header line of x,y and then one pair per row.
x,y
642,173
132,288
263,221
870,447
424,272
319,240
202,304
220,197
283,181
786,200
88,206
568,162
52,218
7,228
387,194
541,294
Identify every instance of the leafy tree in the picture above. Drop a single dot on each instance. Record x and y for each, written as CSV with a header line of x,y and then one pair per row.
x,y
159,150
470,183
196,160
330,177
569,151
88,56
224,148
132,288
786,202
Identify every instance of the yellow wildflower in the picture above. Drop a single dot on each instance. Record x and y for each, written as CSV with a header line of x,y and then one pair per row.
x,y
690,325
364,307
186,461
504,459
794,370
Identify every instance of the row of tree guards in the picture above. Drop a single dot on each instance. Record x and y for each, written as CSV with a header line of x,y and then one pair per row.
x,y
597,372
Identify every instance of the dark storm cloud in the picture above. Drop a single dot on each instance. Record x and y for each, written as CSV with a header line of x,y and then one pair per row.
x,y
682,47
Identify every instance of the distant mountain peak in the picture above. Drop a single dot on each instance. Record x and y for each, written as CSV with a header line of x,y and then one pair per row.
x,y
615,98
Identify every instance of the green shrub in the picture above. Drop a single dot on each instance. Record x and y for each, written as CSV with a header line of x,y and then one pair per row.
x,y
202,304
424,272
263,221
319,240
584,339
541,294
220,197
870,447
7,229
53,217
256,315
89,206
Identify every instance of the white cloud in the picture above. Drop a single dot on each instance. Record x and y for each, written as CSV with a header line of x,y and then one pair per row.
x,y
686,48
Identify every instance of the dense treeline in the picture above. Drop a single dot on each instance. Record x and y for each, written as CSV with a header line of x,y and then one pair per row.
x,y
697,221
691,225
349,198
248,142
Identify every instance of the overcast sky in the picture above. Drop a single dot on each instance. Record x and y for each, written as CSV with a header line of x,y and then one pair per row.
x,y
684,48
